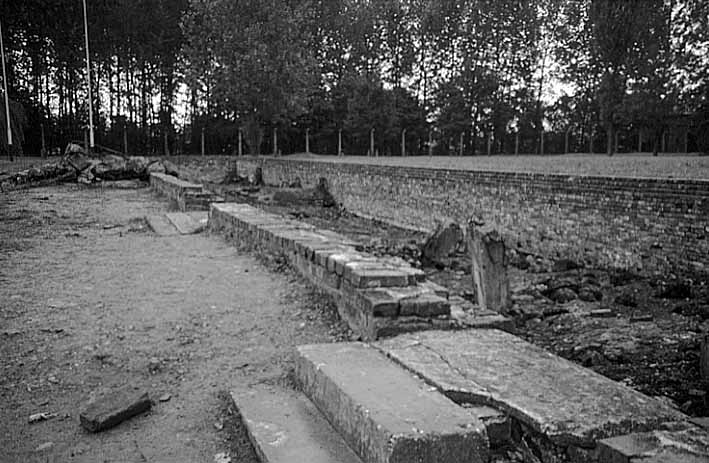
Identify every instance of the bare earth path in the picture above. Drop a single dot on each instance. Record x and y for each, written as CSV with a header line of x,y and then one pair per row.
x,y
91,300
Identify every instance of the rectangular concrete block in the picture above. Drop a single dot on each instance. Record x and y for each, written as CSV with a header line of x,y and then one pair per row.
x,y
374,275
684,446
112,409
561,400
285,427
386,414
425,305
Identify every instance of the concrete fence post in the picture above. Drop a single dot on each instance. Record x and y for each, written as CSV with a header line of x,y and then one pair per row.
x,y
44,143
202,144
403,143
307,141
240,148
371,143
275,141
125,139
339,142
430,143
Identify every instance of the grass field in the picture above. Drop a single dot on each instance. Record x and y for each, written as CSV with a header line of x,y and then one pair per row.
x,y
625,165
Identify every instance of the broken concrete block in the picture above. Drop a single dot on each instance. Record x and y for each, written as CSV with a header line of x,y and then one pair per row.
x,y
112,409
492,284
442,243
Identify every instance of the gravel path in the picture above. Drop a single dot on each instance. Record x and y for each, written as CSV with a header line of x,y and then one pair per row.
x,y
91,300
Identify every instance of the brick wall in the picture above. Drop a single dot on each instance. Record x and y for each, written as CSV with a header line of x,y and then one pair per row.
x,y
636,223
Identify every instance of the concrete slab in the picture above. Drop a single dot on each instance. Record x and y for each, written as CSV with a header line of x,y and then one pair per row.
x,y
284,427
384,412
569,404
686,446
161,225
188,223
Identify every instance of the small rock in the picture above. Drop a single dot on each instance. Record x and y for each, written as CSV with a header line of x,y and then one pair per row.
x,y
45,446
627,300
676,290
110,410
564,265
53,379
43,416
642,318
222,457
165,397
562,295
590,294
218,425
602,313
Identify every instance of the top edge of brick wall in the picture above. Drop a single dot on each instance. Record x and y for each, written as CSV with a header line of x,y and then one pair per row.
x,y
702,184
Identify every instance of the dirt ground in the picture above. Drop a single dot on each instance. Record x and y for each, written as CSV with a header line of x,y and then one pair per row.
x,y
91,300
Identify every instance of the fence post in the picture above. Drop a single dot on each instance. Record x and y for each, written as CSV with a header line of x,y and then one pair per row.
x,y
339,142
202,142
239,148
307,141
371,142
460,144
44,144
640,140
566,141
275,141
517,142
489,144
541,142
430,142
403,143
125,139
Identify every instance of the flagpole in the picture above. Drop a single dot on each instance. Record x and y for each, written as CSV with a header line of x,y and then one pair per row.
x,y
7,97
88,80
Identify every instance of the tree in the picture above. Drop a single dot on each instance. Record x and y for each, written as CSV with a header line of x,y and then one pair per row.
x,y
261,71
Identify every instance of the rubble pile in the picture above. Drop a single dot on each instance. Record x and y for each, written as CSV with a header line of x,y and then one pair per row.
x,y
79,166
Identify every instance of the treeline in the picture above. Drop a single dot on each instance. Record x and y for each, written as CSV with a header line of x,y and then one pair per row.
x,y
446,76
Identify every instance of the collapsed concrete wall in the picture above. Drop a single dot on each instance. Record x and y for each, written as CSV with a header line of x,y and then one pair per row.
x,y
645,225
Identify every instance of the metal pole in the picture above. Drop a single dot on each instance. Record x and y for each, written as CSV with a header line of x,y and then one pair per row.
x,y
88,78
7,96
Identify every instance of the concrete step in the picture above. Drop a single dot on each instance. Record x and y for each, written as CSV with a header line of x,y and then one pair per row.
x,y
161,225
285,427
565,403
188,223
385,413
